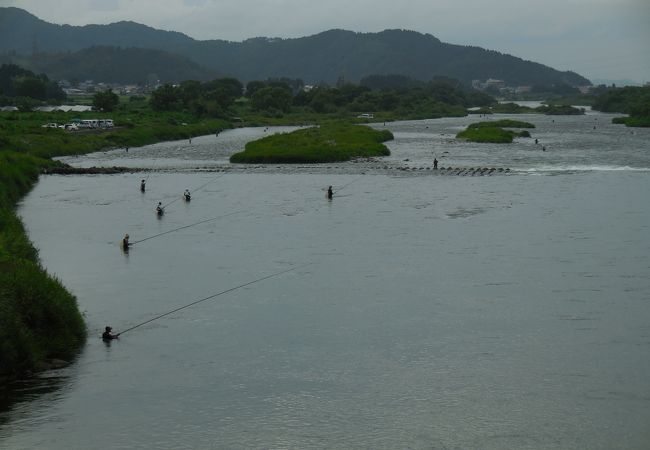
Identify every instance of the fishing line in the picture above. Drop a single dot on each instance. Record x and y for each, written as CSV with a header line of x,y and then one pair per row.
x,y
346,185
215,295
186,226
195,190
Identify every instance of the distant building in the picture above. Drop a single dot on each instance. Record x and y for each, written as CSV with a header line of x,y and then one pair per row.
x,y
490,83
494,83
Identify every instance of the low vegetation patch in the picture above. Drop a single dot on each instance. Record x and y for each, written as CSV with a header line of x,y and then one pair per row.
x,y
560,110
642,122
504,123
513,108
493,132
487,135
326,143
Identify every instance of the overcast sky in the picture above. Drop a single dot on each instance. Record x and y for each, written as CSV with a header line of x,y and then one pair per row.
x,y
600,39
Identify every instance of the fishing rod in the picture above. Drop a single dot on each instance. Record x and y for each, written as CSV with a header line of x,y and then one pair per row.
x,y
195,190
186,226
346,185
215,295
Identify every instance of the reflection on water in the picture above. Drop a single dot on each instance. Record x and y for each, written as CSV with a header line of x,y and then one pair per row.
x,y
438,311
19,399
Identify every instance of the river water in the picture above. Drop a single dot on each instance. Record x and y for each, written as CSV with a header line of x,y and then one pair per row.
x,y
423,311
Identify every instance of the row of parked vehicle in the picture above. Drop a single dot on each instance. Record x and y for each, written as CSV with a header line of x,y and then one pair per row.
x,y
85,123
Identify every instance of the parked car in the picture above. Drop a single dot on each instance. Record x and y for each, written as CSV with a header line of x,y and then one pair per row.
x,y
50,125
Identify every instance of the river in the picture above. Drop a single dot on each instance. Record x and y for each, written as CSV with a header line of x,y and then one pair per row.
x,y
422,310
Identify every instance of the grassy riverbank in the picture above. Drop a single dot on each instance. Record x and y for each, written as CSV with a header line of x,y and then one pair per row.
x,y
641,122
513,108
326,143
23,132
39,318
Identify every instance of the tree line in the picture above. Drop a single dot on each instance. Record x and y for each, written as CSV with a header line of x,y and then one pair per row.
x,y
274,97
18,85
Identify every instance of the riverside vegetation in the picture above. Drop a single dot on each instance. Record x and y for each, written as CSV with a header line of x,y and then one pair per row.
x,y
634,101
494,132
513,108
39,319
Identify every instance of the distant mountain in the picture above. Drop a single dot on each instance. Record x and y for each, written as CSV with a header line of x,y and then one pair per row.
x,y
322,57
115,65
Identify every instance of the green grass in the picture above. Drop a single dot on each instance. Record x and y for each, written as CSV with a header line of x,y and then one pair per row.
x,y
513,108
642,122
487,135
22,132
560,110
325,143
39,319
493,132
504,123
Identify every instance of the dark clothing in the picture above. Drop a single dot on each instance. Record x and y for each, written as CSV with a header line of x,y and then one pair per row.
x,y
435,163
107,336
142,186
330,194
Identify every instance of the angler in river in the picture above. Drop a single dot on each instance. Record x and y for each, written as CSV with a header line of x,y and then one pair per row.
x,y
108,335
330,193
125,243
187,195
142,185
160,210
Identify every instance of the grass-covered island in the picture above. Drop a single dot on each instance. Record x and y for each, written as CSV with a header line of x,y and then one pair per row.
x,y
326,143
494,132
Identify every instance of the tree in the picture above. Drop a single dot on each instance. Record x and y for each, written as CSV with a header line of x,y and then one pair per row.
x,y
223,90
166,98
30,87
105,101
253,86
270,98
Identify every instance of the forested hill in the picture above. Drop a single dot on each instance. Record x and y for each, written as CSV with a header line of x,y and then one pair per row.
x,y
321,57
115,65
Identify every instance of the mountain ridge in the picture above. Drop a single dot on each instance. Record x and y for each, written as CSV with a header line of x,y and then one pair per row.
x,y
323,57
